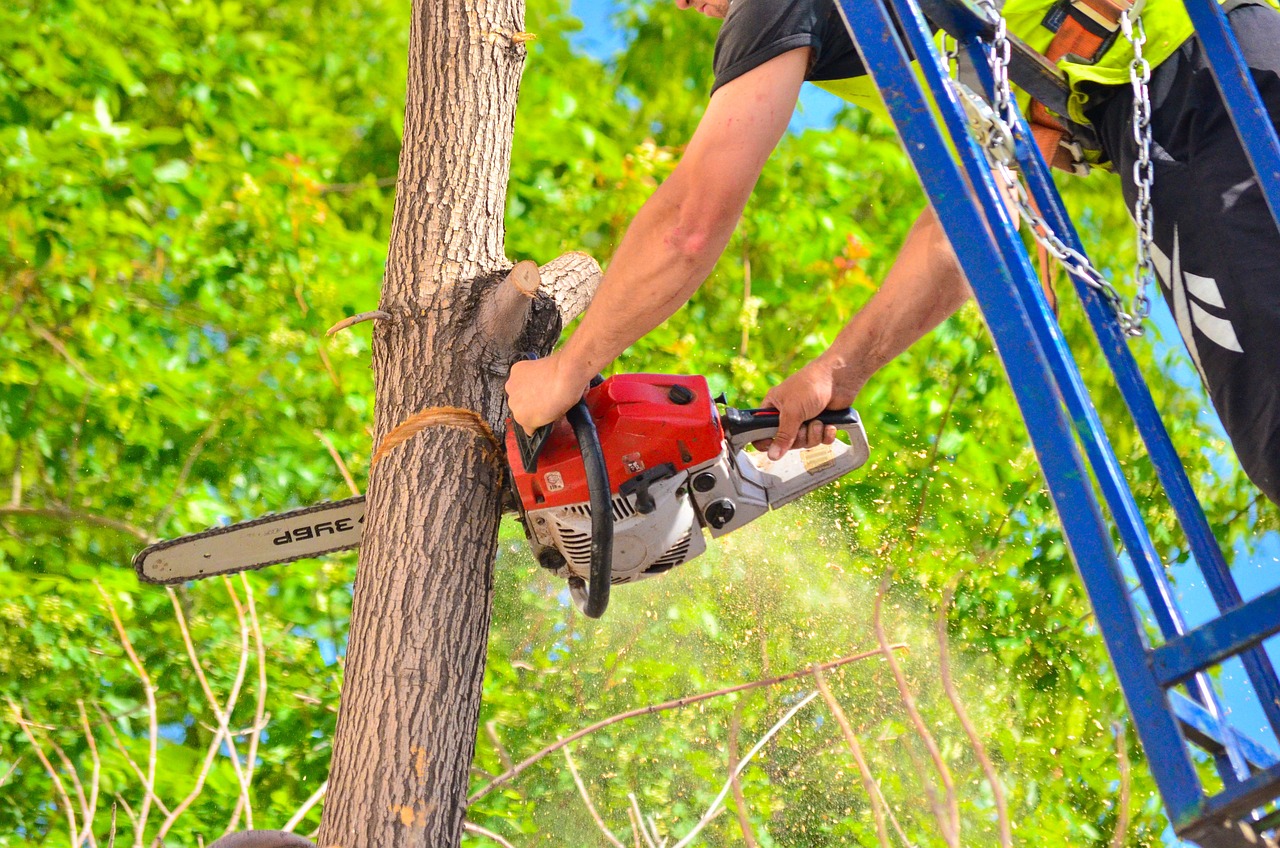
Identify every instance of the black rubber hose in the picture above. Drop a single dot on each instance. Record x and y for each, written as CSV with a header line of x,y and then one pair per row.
x,y
584,430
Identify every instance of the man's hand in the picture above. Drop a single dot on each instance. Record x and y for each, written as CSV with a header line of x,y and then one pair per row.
x,y
802,397
540,391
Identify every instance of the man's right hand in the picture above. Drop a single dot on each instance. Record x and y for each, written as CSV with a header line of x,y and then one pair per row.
x,y
802,397
541,391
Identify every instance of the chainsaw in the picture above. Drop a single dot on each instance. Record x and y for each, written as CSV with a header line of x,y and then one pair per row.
x,y
619,490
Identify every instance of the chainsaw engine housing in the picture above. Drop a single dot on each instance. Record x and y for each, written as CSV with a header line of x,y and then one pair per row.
x,y
672,469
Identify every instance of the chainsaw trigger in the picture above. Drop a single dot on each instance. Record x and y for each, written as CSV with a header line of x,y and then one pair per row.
x,y
639,485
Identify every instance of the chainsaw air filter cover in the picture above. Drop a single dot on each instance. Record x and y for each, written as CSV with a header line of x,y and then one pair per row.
x,y
654,429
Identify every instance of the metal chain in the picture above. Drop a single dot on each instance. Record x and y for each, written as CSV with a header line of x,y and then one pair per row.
x,y
997,138
1143,168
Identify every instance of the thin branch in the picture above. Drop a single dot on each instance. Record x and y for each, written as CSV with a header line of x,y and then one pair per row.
x,y
913,530
12,768
351,321
56,344
260,709
979,750
346,188
739,799
869,784
491,730
949,819
187,466
471,827
713,810
338,461
511,773
637,821
222,714
1122,803
63,513
328,367
78,786
586,799
133,764
48,767
96,776
296,818
153,730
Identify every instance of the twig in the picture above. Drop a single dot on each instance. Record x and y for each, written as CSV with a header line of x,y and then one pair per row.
x,y
869,784
48,767
337,460
111,836
133,764
56,344
739,799
949,819
371,315
637,821
296,818
328,367
1122,814
153,730
187,466
12,768
344,188
491,731
95,777
260,709
586,799
914,529
979,750
78,786
63,513
714,808
511,773
472,827
223,715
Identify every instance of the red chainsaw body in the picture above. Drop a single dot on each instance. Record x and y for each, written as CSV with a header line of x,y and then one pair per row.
x,y
644,421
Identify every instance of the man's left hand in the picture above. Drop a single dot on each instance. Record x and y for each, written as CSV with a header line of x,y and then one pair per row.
x,y
801,398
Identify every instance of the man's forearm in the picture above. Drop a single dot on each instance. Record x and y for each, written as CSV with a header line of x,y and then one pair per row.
x,y
924,287
660,262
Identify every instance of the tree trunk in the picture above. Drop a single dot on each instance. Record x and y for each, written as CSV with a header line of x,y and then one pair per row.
x,y
420,616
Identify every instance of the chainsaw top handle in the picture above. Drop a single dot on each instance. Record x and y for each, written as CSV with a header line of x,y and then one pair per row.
x,y
595,600
743,426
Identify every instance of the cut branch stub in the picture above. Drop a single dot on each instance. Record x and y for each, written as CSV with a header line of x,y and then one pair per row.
x,y
571,281
505,310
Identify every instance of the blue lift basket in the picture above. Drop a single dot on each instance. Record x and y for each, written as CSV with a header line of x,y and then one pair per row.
x,y
1062,421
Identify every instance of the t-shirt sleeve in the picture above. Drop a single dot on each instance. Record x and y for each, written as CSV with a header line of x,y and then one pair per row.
x,y
756,31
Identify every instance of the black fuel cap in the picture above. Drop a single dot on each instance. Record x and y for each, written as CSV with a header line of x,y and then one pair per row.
x,y
680,395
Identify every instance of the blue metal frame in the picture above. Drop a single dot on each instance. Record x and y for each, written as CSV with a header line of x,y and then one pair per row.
x,y
1054,402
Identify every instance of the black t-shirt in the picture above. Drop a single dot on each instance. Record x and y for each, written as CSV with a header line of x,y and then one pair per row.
x,y
756,31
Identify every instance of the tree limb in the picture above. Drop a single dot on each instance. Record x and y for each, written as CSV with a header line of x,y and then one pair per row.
x,y
586,799
869,784
511,773
948,819
63,513
979,750
571,281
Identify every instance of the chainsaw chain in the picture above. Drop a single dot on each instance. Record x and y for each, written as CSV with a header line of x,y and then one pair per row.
x,y
231,528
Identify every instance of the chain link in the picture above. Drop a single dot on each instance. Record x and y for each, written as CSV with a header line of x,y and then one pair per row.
x,y
997,138
1143,168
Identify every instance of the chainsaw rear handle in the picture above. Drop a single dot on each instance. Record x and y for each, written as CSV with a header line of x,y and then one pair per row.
x,y
743,426
597,590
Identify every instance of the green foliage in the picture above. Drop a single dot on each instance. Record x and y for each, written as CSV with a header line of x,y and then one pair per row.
x,y
193,190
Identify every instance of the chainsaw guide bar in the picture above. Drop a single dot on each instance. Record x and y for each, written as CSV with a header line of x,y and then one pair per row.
x,y
311,531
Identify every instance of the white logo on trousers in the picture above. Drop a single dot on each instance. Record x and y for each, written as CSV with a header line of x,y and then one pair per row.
x,y
1189,292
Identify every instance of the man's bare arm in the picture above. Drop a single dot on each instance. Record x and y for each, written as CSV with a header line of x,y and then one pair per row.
x,y
675,239
924,287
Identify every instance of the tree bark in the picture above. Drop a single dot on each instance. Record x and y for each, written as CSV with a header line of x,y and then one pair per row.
x,y
420,615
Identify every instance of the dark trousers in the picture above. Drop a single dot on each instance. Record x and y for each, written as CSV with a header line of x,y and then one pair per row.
x,y
1218,256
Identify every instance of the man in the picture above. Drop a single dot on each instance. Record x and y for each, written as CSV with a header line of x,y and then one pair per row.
x,y
1218,250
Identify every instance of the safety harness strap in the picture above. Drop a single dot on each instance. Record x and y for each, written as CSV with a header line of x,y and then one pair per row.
x,y
1084,30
